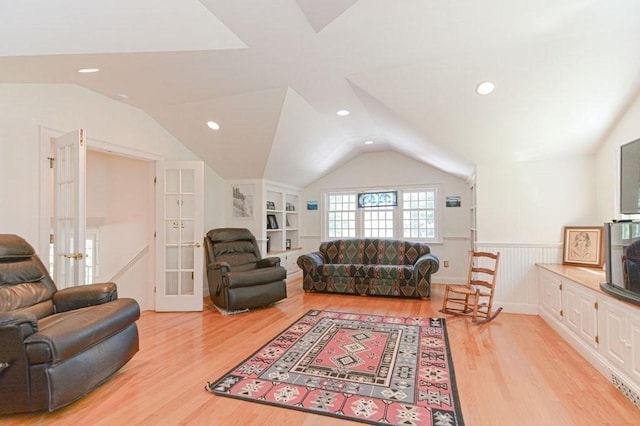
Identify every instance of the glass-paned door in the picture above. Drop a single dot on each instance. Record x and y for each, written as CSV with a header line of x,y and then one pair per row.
x,y
69,209
179,236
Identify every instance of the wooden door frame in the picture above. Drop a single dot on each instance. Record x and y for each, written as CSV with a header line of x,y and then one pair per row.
x,y
46,190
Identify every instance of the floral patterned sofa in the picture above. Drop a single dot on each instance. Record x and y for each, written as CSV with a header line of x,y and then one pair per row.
x,y
381,267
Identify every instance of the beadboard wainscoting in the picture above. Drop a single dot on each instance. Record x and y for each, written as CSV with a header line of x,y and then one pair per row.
x,y
517,288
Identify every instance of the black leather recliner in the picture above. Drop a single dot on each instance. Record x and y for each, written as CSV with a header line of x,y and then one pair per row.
x,y
238,277
56,345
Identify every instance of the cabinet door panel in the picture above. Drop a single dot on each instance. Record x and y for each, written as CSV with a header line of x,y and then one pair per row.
x,y
550,294
633,320
613,331
580,313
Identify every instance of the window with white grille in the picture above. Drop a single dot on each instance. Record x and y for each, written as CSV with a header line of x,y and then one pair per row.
x,y
378,222
361,214
419,214
341,215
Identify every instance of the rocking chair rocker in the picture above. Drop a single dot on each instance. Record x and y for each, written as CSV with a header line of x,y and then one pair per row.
x,y
475,298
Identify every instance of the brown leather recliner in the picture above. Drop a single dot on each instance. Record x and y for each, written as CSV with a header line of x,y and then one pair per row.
x,y
56,346
238,277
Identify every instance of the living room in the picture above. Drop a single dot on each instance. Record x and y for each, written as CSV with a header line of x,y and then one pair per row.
x,y
550,162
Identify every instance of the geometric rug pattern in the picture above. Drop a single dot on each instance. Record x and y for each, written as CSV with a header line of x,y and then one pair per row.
x,y
368,368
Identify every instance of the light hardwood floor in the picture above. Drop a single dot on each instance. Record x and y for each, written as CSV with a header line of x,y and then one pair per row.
x,y
513,371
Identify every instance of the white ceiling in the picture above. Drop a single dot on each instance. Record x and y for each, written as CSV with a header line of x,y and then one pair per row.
x,y
274,73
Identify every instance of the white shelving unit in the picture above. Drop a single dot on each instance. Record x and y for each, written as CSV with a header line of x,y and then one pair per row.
x,y
283,225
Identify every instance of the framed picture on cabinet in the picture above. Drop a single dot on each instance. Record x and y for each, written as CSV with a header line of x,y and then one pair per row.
x,y
271,205
288,244
272,222
583,246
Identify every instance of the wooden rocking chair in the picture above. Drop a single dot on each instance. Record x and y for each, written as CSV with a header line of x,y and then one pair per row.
x,y
476,297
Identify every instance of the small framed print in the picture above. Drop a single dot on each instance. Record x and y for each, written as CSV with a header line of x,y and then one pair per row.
x,y
271,205
583,246
453,201
272,222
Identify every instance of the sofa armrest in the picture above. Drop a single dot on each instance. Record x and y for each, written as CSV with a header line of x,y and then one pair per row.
x,y
82,296
427,263
269,262
310,261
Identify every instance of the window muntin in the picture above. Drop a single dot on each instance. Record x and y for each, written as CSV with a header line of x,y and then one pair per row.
x,y
377,222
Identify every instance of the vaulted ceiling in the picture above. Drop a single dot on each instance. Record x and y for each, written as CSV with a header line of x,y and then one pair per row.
x,y
274,73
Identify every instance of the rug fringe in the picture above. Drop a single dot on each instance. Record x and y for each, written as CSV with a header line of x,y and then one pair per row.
x,y
231,312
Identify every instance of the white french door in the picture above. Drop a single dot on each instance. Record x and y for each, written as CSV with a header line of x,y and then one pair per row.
x,y
69,209
179,238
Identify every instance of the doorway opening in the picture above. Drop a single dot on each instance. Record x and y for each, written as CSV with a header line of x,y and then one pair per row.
x,y
120,205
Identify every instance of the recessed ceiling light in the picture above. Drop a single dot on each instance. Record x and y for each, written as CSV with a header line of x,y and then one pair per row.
x,y
485,88
343,112
122,97
368,142
213,125
88,70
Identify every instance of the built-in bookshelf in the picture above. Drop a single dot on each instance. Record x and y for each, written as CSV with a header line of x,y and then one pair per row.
x,y
283,224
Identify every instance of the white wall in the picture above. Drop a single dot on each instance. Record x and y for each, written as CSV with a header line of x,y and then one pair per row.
x,y
523,207
385,170
608,162
119,203
25,108
531,202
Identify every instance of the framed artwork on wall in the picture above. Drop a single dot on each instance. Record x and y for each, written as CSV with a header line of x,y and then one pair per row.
x,y
243,201
583,246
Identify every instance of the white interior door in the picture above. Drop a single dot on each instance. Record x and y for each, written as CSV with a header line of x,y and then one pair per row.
x,y
70,209
179,236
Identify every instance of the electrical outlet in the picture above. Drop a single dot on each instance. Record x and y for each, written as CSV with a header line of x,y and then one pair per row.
x,y
446,263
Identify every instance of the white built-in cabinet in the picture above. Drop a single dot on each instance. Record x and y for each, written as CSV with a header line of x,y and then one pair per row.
x,y
620,342
282,225
550,296
604,330
580,312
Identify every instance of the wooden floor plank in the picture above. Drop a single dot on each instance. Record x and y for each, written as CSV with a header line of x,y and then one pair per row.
x,y
514,370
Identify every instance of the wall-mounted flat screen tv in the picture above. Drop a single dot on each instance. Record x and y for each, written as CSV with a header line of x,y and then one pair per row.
x,y
630,178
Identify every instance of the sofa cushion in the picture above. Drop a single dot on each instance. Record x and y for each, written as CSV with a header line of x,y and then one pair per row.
x,y
401,272
62,336
372,251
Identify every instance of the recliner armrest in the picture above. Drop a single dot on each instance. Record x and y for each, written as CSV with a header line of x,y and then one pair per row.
x,y
224,267
26,322
82,296
269,262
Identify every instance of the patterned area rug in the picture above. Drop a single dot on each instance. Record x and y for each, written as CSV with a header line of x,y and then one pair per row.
x,y
369,368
